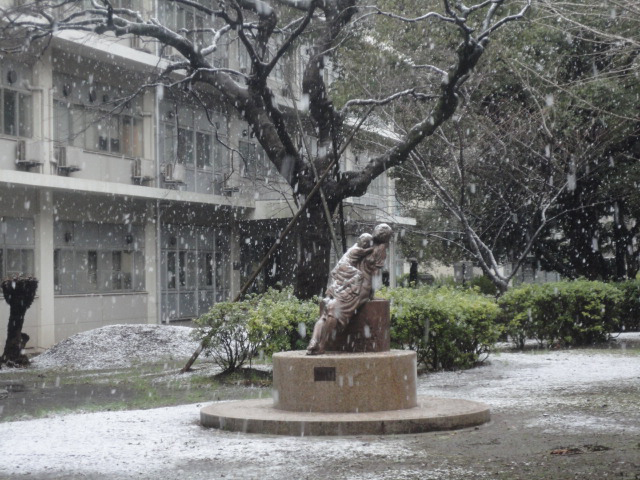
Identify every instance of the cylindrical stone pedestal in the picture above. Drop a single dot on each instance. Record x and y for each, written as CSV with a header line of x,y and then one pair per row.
x,y
341,382
367,331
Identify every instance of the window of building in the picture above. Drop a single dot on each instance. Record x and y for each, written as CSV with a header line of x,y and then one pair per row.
x,y
16,247
85,116
97,130
203,147
255,164
17,113
93,258
187,21
189,138
195,272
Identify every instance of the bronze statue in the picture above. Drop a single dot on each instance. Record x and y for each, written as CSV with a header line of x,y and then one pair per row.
x,y
351,285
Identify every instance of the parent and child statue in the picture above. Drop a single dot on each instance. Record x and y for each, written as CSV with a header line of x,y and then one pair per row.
x,y
351,285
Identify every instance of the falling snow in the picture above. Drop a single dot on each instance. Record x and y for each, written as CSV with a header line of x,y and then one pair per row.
x,y
170,443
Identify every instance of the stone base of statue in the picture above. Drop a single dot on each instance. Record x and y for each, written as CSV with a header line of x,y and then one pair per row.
x,y
363,388
368,330
344,382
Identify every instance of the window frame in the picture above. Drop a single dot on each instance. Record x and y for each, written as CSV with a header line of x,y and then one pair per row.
x,y
82,122
18,107
25,248
254,160
99,274
182,131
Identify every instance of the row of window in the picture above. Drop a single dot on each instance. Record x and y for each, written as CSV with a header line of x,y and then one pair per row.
x,y
98,257
194,258
191,138
86,271
188,270
195,270
91,257
181,18
97,130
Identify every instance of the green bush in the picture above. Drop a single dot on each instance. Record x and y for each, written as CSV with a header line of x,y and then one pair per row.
x,y
629,306
225,335
484,285
448,328
567,313
282,321
234,333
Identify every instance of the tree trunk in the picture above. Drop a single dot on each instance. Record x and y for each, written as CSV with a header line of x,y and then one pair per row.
x,y
19,293
314,253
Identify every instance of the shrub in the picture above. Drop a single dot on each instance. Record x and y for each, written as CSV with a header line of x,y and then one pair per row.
x,y
448,328
516,313
484,285
225,336
568,313
629,306
234,333
282,321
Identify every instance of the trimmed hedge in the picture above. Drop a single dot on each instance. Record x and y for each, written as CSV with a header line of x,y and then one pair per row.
x,y
566,313
629,306
448,328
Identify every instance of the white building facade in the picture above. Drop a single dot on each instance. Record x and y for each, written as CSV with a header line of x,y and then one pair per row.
x,y
146,210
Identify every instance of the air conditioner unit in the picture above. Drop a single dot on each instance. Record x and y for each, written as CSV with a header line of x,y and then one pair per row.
x,y
59,155
174,173
140,171
68,159
136,168
136,42
29,153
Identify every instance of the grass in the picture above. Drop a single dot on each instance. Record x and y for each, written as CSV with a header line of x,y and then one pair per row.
x,y
39,393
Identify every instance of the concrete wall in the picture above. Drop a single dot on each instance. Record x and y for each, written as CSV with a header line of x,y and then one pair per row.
x,y
78,313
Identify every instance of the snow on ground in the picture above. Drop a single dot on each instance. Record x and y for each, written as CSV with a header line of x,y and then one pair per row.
x,y
522,379
145,444
169,442
119,346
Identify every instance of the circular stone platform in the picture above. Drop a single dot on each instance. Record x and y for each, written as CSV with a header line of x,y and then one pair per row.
x,y
259,416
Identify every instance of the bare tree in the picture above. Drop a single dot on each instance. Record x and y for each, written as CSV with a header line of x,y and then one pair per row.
x,y
271,29
543,163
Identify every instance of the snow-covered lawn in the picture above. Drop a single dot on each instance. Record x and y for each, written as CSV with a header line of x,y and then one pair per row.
x,y
169,443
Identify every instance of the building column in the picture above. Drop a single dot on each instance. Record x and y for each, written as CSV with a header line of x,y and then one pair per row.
x,y
44,250
151,256
43,108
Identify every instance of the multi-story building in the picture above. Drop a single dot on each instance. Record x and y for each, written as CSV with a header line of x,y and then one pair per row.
x,y
147,210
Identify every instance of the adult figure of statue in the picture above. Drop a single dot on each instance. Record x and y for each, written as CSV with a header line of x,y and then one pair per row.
x,y
351,285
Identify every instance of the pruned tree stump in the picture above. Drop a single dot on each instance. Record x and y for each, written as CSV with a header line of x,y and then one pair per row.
x,y
19,293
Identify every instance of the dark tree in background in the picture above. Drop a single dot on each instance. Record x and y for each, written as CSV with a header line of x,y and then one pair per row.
x,y
541,166
19,293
